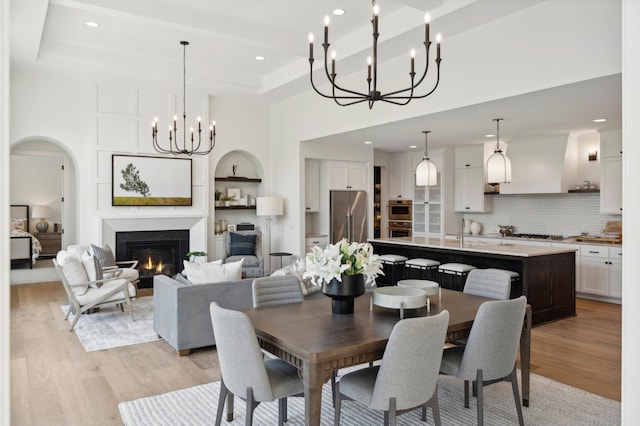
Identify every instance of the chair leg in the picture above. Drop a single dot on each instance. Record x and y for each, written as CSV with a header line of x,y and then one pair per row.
x,y
282,411
221,399
75,319
435,408
248,421
334,373
337,404
480,401
516,395
392,412
466,394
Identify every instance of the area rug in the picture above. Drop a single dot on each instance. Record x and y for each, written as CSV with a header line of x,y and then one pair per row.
x,y
552,403
112,328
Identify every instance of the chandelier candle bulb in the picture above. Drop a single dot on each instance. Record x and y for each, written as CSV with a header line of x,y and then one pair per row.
x,y
413,60
427,18
369,68
438,40
310,46
326,30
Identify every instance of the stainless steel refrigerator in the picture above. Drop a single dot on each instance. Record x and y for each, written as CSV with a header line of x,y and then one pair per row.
x,y
348,216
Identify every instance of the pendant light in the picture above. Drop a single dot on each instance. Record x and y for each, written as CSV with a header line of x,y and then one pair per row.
x,y
426,172
498,164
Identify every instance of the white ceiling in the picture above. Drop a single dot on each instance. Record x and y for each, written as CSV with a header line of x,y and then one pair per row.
x,y
141,38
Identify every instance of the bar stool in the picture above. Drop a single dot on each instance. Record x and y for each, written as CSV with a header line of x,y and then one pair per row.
x,y
458,273
516,285
424,269
392,265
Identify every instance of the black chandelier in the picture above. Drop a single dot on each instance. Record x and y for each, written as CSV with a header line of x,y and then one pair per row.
x,y
397,97
174,147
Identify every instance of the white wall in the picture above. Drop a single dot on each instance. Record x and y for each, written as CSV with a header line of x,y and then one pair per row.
x,y
5,383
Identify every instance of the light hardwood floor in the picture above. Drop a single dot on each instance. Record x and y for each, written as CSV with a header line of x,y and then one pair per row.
x,y
55,382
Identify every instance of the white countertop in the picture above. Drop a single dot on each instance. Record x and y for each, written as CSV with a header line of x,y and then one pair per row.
x,y
502,247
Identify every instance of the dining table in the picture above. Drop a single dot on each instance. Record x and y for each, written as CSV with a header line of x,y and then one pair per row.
x,y
309,336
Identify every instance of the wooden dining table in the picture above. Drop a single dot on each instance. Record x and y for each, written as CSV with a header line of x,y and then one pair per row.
x,y
309,336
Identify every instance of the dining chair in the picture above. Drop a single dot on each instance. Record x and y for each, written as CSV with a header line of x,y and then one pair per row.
x,y
407,377
276,290
490,353
491,283
243,370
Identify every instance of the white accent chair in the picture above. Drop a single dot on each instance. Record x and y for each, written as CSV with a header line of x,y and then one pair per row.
x,y
85,293
490,353
120,269
244,372
407,377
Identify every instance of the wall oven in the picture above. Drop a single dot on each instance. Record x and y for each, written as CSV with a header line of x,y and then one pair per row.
x,y
399,228
400,210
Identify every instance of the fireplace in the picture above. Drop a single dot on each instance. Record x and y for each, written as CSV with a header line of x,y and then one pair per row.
x,y
157,252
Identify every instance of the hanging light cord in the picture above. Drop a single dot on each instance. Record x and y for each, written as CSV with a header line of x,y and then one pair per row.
x,y
498,120
426,151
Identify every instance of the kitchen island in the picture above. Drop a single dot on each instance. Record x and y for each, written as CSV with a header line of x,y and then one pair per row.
x,y
547,274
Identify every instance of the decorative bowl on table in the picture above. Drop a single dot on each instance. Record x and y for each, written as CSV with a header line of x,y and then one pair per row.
x,y
432,288
399,297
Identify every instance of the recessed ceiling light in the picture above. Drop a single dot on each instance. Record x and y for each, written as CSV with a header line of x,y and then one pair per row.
x,y
413,146
368,142
338,12
259,58
599,120
489,136
92,24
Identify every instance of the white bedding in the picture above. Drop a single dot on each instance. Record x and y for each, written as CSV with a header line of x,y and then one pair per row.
x,y
36,248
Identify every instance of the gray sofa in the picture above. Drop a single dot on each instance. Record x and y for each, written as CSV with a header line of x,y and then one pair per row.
x,y
181,311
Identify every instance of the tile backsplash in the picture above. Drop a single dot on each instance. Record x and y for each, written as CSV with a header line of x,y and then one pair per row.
x,y
554,214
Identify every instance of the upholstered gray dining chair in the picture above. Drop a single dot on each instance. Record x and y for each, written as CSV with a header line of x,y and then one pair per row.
x,y
407,377
490,353
491,283
243,370
276,290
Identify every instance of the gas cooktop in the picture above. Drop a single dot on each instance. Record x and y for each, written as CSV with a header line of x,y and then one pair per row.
x,y
538,236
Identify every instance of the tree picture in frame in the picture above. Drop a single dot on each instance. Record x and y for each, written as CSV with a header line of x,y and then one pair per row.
x,y
150,181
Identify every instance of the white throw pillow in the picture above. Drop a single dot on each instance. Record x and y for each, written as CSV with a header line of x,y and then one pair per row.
x,y
73,271
213,272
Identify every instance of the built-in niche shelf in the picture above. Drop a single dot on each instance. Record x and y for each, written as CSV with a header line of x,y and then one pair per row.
x,y
235,207
237,179
584,191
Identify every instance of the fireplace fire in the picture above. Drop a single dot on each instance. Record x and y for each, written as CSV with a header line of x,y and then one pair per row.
x,y
157,252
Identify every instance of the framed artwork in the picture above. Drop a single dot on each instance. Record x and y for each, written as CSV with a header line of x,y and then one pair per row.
x,y
231,228
150,181
234,192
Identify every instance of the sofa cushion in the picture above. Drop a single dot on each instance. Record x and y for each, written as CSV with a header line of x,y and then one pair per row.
x,y
213,272
242,245
249,261
104,255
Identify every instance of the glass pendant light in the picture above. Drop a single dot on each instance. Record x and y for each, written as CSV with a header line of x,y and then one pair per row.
x,y
426,172
498,164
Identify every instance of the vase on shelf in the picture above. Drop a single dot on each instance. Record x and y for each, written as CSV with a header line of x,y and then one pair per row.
x,y
343,293
476,228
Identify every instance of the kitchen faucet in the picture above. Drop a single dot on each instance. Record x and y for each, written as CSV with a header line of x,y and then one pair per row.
x,y
462,233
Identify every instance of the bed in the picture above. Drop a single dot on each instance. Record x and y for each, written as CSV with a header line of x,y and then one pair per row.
x,y
25,248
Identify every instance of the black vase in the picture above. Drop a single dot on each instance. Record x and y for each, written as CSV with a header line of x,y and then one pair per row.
x,y
343,293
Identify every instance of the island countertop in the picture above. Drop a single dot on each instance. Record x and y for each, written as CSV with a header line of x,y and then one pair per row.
x,y
547,274
500,248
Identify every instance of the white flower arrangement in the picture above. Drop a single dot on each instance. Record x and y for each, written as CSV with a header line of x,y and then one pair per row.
x,y
323,265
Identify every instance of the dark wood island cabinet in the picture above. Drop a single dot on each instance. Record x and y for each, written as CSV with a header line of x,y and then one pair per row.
x,y
547,273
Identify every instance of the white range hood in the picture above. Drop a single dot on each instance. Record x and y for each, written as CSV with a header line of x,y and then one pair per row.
x,y
542,165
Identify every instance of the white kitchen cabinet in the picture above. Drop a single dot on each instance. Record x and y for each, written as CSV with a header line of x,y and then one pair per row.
x,y
469,157
601,271
611,172
427,209
346,175
315,240
312,186
401,177
469,181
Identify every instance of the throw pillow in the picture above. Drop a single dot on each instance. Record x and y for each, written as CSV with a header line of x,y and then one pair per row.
x,y
73,271
181,279
104,255
242,245
213,272
93,268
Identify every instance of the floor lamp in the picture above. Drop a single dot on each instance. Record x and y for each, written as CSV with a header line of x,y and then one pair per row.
x,y
269,206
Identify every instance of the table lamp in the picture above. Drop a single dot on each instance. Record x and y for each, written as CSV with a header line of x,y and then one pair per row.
x,y
269,206
42,213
